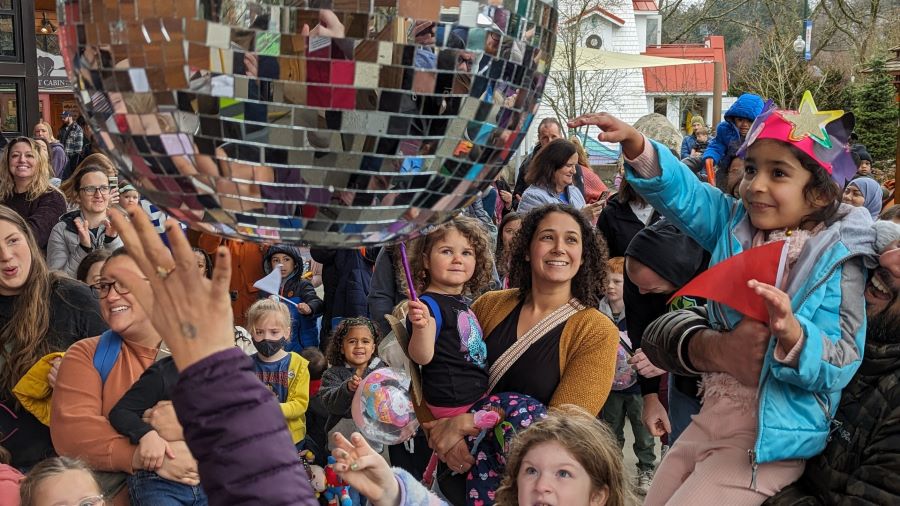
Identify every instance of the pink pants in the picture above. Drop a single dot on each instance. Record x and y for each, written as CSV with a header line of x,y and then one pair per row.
x,y
710,462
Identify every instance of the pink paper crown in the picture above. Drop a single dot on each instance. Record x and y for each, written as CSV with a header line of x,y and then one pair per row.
x,y
823,135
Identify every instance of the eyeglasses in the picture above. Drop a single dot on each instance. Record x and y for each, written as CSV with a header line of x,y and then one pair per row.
x,y
101,289
92,190
463,60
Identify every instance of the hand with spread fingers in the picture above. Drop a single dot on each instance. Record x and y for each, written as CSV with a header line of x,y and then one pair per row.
x,y
366,471
192,313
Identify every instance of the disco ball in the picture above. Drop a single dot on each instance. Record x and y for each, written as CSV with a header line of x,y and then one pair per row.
x,y
332,123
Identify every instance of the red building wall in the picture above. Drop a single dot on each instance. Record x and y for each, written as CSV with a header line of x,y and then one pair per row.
x,y
680,79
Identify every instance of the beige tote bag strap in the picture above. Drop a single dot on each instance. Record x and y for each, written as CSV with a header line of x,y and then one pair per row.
x,y
509,357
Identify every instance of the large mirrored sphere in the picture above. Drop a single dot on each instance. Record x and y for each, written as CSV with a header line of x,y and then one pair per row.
x,y
332,123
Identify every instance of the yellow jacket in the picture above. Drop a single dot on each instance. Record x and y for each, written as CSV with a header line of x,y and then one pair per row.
x,y
294,408
34,391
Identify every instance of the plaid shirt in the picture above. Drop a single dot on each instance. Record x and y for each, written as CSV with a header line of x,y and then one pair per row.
x,y
72,138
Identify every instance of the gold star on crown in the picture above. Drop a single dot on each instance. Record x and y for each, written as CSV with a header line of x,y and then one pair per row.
x,y
810,122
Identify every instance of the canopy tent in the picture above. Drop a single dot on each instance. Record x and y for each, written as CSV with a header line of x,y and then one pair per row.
x,y
597,59
598,154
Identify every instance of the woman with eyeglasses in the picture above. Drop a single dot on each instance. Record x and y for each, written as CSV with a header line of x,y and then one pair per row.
x,y
29,295
88,387
87,228
61,481
25,188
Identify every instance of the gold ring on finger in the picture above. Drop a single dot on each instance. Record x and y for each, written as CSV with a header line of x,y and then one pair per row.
x,y
163,273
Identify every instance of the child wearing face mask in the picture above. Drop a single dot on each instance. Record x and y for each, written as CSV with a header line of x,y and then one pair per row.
x,y
285,373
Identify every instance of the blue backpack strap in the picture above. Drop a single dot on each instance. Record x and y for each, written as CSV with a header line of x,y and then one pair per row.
x,y
107,353
436,312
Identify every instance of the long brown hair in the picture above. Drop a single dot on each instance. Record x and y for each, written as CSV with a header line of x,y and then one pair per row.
x,y
22,339
547,161
583,436
40,182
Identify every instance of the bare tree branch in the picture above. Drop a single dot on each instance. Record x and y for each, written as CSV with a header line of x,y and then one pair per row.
x,y
705,16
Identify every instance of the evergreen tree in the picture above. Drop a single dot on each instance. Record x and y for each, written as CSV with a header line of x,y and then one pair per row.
x,y
876,112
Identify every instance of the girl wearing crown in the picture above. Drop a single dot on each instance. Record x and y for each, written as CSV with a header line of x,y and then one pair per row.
x,y
750,440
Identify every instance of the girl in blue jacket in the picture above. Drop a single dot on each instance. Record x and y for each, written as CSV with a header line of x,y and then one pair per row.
x,y
750,440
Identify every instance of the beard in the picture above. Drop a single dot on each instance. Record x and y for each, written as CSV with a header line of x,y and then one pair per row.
x,y
884,328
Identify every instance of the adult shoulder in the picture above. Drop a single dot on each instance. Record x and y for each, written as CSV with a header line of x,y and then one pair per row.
x,y
590,323
73,301
587,360
492,307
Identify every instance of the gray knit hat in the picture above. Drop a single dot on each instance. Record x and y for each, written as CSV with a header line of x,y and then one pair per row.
x,y
886,232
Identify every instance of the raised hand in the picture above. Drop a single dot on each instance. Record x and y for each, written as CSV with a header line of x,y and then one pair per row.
x,y
782,322
192,313
418,315
613,130
84,234
365,470
329,26
110,230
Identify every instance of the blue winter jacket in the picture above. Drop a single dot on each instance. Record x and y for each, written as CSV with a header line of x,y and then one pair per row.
x,y
304,328
747,106
826,284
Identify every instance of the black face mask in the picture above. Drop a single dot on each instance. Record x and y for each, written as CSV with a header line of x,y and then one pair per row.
x,y
267,347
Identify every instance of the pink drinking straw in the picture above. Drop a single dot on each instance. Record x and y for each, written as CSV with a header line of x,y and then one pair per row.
x,y
409,278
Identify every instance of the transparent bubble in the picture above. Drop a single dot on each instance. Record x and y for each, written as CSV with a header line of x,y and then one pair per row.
x,y
382,408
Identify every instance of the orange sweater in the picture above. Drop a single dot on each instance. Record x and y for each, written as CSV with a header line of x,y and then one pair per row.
x,y
78,422
587,350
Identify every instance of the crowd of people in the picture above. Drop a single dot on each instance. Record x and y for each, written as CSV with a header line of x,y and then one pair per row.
x,y
142,364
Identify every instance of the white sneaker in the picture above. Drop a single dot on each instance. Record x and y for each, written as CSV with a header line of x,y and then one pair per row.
x,y
644,479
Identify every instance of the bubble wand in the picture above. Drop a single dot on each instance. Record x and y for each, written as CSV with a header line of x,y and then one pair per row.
x,y
409,278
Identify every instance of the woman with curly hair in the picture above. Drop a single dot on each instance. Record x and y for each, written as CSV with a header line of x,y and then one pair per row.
x,y
545,339
25,188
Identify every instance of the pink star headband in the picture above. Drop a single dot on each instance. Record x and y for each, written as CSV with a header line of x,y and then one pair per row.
x,y
823,135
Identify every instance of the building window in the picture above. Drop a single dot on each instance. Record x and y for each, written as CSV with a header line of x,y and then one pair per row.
x,y
9,107
653,32
660,104
9,48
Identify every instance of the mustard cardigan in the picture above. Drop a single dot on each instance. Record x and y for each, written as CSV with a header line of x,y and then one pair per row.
x,y
587,350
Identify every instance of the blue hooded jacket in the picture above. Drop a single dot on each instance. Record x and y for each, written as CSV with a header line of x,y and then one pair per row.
x,y
304,331
796,404
747,106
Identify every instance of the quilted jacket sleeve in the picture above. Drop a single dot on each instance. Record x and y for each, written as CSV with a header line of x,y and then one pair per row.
x,y
234,428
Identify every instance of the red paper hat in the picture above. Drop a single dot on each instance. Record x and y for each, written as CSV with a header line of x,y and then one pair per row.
x,y
823,135
726,282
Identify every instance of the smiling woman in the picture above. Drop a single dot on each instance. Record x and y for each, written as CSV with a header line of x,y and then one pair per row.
x,y
29,294
569,351
84,396
551,176
25,187
87,228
